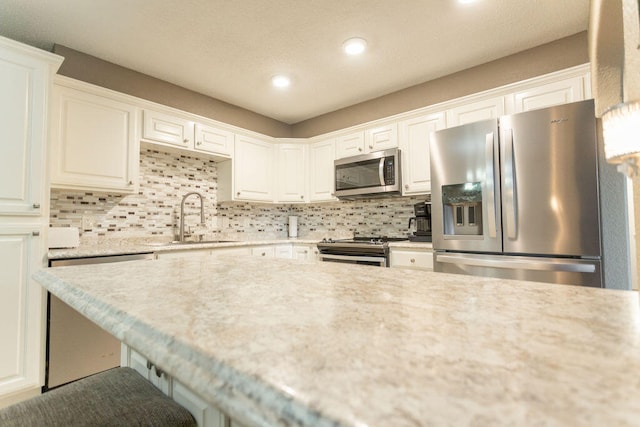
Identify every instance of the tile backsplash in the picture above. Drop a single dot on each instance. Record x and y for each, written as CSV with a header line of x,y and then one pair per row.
x,y
153,213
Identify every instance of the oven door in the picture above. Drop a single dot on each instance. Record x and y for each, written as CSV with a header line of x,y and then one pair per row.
x,y
378,261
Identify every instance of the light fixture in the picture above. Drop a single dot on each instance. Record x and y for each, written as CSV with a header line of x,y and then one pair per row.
x,y
621,131
280,81
354,46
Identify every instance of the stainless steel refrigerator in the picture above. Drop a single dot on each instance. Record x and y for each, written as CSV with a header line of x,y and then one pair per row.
x,y
517,197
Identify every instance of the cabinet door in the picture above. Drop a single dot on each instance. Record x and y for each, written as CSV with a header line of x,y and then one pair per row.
x,y
350,145
167,129
253,169
381,138
21,308
283,251
264,251
414,146
476,111
93,142
321,182
204,414
23,85
304,253
417,260
557,93
292,160
213,140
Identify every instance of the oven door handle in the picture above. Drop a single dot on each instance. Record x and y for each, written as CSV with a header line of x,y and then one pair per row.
x,y
355,258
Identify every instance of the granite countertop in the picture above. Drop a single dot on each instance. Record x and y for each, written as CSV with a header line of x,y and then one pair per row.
x,y
127,247
285,343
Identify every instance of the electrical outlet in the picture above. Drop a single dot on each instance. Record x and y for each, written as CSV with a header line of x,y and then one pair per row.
x,y
87,222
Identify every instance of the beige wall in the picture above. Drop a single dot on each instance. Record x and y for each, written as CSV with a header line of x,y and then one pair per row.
x,y
547,58
90,69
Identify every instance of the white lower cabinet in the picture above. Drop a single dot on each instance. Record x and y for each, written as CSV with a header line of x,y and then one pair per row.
x,y
417,259
305,252
264,251
206,415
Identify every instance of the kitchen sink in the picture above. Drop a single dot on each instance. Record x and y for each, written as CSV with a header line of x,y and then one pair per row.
x,y
179,243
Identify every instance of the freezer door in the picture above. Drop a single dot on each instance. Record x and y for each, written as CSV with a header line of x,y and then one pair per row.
x,y
550,181
538,269
465,190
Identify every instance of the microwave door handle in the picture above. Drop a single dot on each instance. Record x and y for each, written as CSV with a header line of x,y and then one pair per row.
x,y
510,196
381,171
490,182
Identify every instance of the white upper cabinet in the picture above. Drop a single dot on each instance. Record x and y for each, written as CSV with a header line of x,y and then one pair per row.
x,y
350,145
414,146
93,139
548,95
212,140
491,108
381,138
249,176
167,129
24,86
321,182
362,142
292,172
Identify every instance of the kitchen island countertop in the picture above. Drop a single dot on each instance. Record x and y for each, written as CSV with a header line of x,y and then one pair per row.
x,y
302,344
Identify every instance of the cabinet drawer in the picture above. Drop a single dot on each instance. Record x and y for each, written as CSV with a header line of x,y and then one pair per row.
x,y
158,127
412,259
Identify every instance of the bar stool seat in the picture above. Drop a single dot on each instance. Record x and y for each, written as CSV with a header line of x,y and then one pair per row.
x,y
118,397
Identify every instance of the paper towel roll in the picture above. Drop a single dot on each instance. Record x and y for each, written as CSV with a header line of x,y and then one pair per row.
x,y
293,226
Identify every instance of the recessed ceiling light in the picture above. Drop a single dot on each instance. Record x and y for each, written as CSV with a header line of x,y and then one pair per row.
x,y
354,46
280,81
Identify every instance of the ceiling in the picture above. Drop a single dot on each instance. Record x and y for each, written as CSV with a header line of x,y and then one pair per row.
x,y
230,49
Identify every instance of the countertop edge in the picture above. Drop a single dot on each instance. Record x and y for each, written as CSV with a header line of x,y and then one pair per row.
x,y
239,395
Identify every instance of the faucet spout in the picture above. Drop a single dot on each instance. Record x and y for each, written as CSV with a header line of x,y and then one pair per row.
x,y
202,222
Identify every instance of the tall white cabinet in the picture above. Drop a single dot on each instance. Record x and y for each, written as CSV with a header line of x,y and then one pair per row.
x,y
25,81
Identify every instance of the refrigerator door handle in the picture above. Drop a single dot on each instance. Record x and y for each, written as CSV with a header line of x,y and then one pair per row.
x,y
381,171
510,263
490,183
510,196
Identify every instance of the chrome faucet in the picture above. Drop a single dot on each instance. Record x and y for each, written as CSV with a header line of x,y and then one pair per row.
x,y
181,235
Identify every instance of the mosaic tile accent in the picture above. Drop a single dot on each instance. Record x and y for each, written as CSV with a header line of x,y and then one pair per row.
x,y
153,213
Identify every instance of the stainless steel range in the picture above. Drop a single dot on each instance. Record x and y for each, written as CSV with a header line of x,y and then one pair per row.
x,y
359,250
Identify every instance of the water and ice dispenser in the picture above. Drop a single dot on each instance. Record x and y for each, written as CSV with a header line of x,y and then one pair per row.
x,y
462,209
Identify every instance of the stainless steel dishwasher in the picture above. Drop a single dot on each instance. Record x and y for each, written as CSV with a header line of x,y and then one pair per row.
x,y
77,347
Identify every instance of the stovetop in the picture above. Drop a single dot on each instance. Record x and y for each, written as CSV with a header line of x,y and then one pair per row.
x,y
373,240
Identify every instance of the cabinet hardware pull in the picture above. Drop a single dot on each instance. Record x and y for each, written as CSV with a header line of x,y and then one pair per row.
x,y
413,260
159,372
36,206
359,148
199,143
186,140
371,147
264,254
130,182
301,196
35,233
238,193
149,365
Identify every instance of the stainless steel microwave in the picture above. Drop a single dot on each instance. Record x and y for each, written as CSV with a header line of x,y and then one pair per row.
x,y
369,175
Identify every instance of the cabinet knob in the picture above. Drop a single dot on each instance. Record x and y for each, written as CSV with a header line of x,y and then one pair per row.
x,y
264,254
199,143
186,140
359,148
130,182
412,260
371,147
35,233
149,365
306,252
301,197
238,193
36,206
